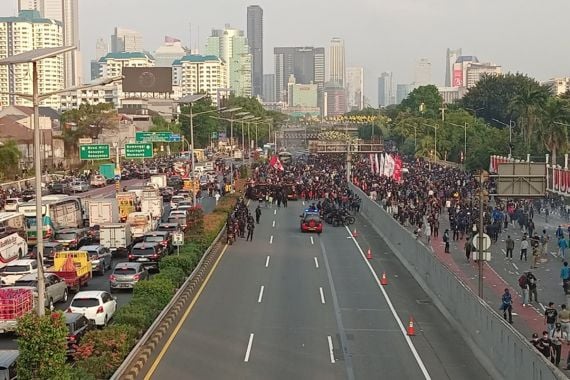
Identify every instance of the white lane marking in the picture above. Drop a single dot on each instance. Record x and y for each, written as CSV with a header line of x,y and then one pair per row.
x,y
260,294
274,212
417,357
316,263
322,295
267,262
248,351
542,306
303,203
273,223
271,240
312,241
331,352
515,265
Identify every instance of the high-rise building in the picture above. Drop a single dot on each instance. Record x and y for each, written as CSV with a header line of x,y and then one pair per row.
x,y
67,12
306,64
450,59
29,31
101,50
269,88
386,89
423,72
459,74
402,91
255,40
200,74
125,40
467,71
302,95
334,102
557,86
168,52
112,64
355,88
231,46
336,61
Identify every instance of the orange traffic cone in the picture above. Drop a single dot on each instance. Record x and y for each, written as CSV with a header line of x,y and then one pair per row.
x,y
383,279
354,233
411,329
369,254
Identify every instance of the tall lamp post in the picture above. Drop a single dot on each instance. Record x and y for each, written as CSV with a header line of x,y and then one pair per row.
x,y
464,139
435,127
33,57
511,125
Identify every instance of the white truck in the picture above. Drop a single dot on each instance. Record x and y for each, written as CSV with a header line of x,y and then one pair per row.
x,y
152,205
141,223
159,180
100,212
116,237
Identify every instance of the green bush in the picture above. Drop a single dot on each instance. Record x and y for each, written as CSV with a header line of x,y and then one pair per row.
x,y
42,342
175,275
157,292
101,352
140,315
185,263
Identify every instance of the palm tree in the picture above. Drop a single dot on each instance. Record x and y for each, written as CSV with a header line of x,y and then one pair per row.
x,y
553,123
527,105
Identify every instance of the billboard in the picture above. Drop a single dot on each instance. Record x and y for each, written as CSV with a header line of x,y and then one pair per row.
x,y
457,77
521,179
147,79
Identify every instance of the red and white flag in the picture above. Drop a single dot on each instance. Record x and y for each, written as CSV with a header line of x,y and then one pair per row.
x,y
397,169
275,163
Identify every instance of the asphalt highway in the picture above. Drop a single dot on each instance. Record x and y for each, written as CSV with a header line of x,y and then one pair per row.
x,y
302,306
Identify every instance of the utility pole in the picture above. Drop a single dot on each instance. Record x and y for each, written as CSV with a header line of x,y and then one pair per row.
x,y
481,235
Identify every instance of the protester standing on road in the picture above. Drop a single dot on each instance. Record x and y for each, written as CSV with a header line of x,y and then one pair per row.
x,y
257,214
446,240
546,345
250,228
524,248
532,287
468,249
564,318
558,337
523,283
565,277
507,305
550,315
562,245
510,245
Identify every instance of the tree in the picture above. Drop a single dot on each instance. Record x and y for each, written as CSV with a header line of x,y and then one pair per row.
x,y
203,123
527,106
428,95
554,120
10,158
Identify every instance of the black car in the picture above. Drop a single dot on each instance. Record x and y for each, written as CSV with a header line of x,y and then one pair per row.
x,y
148,254
77,326
164,238
59,188
175,182
50,248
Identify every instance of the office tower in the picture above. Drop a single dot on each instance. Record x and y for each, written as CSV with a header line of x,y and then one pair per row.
x,y
467,71
168,52
125,40
101,50
67,12
269,88
200,74
231,46
334,102
423,72
306,64
255,40
112,64
386,89
450,58
336,61
402,92
29,31
355,88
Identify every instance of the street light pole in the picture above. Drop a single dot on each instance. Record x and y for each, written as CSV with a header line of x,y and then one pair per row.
x,y
192,157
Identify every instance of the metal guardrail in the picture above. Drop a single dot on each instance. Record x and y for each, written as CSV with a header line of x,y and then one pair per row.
x,y
141,352
21,183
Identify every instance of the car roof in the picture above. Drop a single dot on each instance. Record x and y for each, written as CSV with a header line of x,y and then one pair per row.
x,y
93,247
52,243
145,244
8,357
89,294
21,262
33,276
166,224
156,232
128,265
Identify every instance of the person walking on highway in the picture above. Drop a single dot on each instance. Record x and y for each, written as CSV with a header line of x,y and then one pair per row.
x,y
558,337
510,245
545,345
565,277
550,316
446,240
562,245
524,248
523,283
532,287
468,247
564,318
250,228
544,243
507,305
257,214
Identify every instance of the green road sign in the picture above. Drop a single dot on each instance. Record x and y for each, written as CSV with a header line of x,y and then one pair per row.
x,y
214,135
138,150
153,136
94,152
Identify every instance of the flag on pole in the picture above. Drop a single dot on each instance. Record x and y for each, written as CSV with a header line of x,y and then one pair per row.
x,y
382,164
371,158
275,163
377,164
397,169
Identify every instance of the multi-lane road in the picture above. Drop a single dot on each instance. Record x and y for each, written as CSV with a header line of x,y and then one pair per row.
x,y
300,306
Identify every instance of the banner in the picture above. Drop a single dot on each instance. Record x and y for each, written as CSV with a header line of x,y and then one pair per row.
x,y
382,164
563,183
371,158
275,163
377,164
389,166
397,169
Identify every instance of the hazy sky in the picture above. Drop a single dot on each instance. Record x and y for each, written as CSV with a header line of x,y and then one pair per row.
x,y
380,35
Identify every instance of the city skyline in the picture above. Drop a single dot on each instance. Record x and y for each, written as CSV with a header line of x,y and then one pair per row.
x,y
480,34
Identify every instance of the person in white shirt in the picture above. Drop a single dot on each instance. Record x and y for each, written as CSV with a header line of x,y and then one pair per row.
x,y
524,248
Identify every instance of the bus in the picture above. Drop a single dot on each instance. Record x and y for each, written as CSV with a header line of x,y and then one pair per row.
x,y
13,243
58,211
285,157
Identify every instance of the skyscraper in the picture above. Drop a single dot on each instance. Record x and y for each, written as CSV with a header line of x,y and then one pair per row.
x,y
355,88
125,40
269,88
29,31
306,64
386,89
231,46
255,41
101,50
168,52
67,12
450,58
423,72
336,61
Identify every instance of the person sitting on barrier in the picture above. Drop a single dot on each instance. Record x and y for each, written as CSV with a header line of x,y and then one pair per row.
x,y
507,305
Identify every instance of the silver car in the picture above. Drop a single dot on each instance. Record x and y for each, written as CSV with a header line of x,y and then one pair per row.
x,y
100,257
126,275
56,288
79,186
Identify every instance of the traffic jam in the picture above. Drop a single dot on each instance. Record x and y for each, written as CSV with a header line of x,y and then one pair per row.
x,y
123,233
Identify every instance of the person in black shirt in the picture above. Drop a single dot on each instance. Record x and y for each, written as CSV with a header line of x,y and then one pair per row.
x,y
250,228
550,315
257,214
546,345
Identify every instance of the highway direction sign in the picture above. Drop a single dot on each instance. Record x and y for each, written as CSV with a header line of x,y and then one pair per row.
x,y
153,136
138,150
94,152
174,138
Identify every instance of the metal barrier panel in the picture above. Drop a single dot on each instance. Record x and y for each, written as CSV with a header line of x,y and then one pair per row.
x,y
500,348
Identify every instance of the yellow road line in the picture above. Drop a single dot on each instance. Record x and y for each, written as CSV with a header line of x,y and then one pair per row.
x,y
156,362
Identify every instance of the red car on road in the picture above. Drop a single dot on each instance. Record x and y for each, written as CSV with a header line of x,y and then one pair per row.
x,y
311,222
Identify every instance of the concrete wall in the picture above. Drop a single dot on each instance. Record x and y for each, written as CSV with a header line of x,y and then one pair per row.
x,y
499,347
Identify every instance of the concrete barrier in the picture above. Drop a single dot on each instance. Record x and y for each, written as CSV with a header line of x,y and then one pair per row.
x,y
500,348
22,183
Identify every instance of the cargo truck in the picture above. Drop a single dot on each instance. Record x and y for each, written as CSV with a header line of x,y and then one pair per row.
x,y
127,202
74,267
107,171
116,237
159,180
14,303
100,212
141,223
